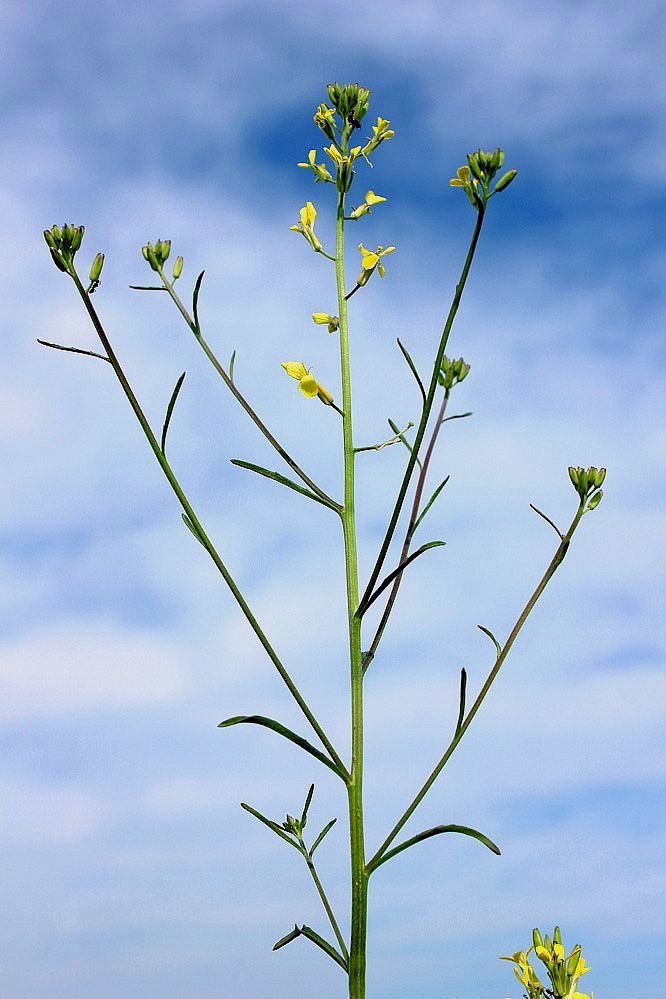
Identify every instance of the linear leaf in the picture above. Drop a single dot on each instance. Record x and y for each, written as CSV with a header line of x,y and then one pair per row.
x,y
488,632
73,350
286,733
463,691
456,416
429,504
397,572
283,941
195,301
412,366
147,287
191,528
308,801
547,519
232,364
169,410
436,831
273,826
328,948
327,828
283,480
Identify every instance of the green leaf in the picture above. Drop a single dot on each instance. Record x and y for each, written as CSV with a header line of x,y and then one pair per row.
x,y
429,504
456,416
488,632
463,691
397,572
327,828
169,411
232,364
547,519
191,528
412,366
195,302
308,801
73,350
286,733
436,831
283,480
328,948
273,826
293,935
147,287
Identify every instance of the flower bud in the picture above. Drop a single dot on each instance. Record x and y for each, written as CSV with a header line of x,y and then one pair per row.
x,y
177,268
96,268
504,181
50,240
595,500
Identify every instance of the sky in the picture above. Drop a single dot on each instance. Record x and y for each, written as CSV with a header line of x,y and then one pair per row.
x,y
128,868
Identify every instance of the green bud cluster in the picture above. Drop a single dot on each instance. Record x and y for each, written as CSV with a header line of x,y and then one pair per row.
x,y
63,242
452,372
158,254
587,483
350,100
484,166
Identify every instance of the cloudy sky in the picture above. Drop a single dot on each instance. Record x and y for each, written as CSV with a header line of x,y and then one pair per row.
x,y
129,869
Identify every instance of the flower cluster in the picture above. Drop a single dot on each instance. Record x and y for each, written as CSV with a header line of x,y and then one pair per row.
x,y
587,483
478,174
63,242
158,254
564,972
452,372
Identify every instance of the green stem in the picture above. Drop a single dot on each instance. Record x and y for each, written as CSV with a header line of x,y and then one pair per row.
x,y
203,537
427,407
359,875
460,731
416,505
229,382
324,900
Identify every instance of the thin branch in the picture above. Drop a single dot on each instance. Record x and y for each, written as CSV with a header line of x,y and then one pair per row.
x,y
556,560
227,378
399,438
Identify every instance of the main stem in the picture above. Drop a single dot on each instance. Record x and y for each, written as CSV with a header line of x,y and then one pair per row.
x,y
359,875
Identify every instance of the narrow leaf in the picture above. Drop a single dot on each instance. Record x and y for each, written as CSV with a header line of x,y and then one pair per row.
x,y
195,301
169,411
436,831
397,572
327,828
283,480
191,528
73,350
488,632
273,826
328,948
293,935
429,504
456,416
286,733
232,364
308,801
547,519
147,287
412,366
463,692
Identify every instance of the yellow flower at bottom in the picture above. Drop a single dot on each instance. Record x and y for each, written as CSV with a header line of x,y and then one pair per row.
x,y
307,383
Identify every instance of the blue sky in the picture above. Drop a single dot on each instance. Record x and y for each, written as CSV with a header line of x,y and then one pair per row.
x,y
128,867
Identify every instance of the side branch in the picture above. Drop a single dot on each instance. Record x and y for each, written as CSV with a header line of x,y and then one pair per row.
x,y
427,407
461,728
196,524
227,378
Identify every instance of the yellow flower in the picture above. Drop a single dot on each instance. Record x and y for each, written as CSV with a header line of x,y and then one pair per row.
x,y
380,133
307,215
463,177
581,968
323,319
371,199
371,259
319,169
307,383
